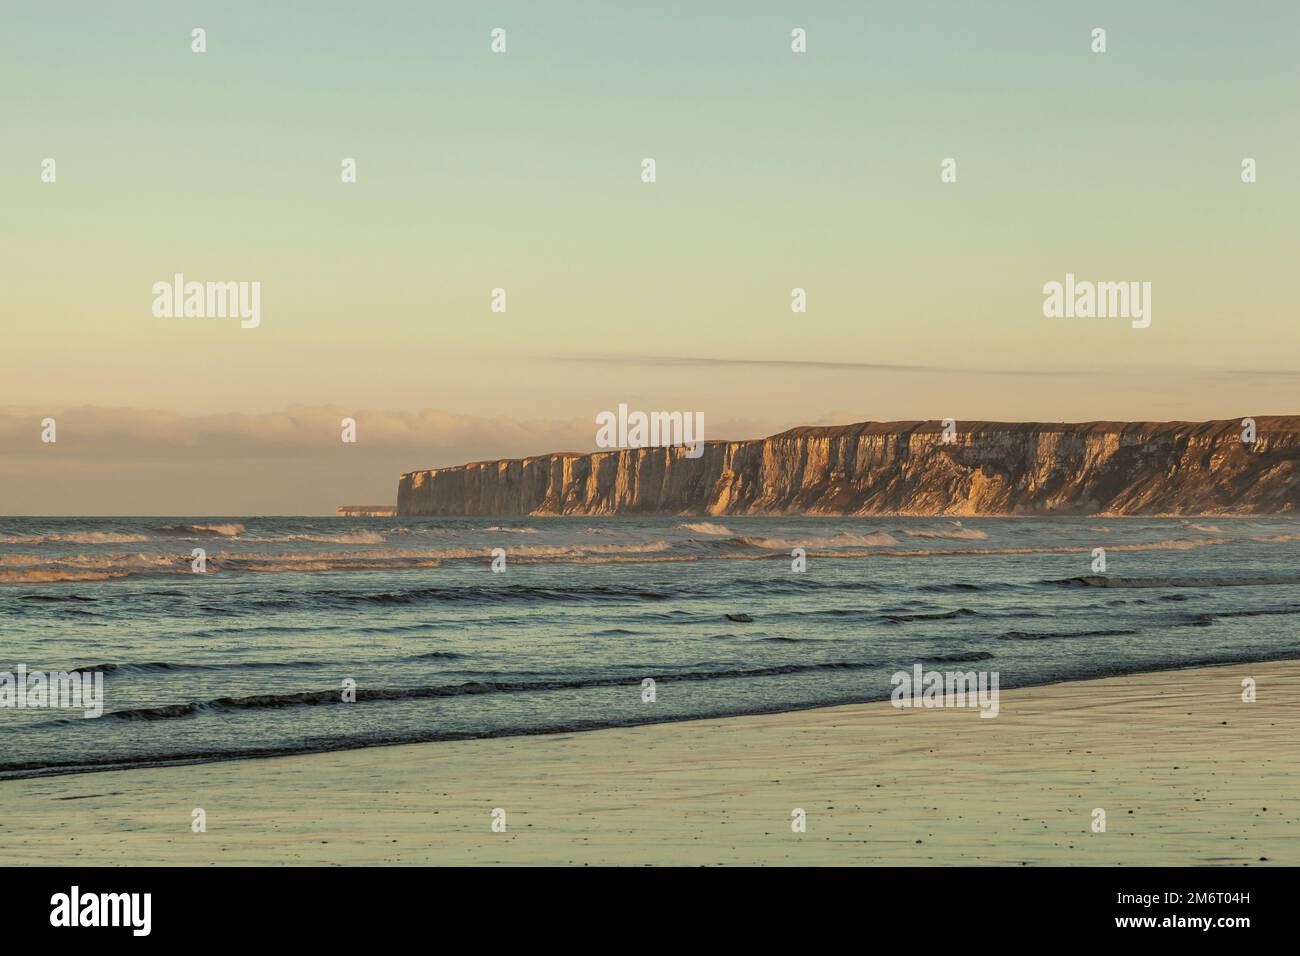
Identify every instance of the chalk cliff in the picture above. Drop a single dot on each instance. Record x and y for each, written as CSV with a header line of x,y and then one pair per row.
x,y
907,468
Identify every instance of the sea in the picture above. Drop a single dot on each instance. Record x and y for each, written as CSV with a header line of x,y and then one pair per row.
x,y
230,637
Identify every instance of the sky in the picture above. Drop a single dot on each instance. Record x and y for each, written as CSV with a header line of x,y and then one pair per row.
x,y
522,170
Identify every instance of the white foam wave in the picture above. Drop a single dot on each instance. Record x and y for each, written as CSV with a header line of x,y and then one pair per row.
x,y
844,539
351,537
704,527
75,537
55,575
957,534
228,530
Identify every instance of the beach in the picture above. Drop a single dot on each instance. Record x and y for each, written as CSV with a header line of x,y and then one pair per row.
x,y
1186,772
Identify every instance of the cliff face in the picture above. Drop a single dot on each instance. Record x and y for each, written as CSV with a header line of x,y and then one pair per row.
x,y
989,468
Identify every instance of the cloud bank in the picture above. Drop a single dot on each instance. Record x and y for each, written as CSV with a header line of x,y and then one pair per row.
x,y
130,461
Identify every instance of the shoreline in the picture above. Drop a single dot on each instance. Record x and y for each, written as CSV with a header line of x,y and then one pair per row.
x,y
1186,771
193,760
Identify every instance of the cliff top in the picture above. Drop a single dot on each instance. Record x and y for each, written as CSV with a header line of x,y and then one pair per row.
x,y
1270,423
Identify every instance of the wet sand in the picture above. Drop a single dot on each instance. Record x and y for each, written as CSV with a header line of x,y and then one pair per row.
x,y
1186,772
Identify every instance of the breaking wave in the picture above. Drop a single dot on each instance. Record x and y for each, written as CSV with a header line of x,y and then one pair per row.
x,y
55,576
76,537
351,537
231,530
704,527
959,534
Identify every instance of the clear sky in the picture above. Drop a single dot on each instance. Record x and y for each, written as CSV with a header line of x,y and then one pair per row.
x,y
522,171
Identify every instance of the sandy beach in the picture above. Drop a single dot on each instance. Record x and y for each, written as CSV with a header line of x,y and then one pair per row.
x,y
1186,771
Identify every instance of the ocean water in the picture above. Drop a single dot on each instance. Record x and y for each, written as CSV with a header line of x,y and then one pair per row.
x,y
250,657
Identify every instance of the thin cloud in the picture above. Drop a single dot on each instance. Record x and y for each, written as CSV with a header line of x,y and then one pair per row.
x,y
685,361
